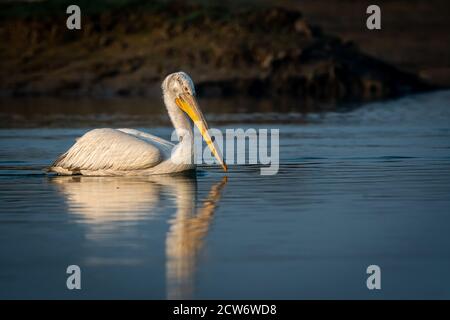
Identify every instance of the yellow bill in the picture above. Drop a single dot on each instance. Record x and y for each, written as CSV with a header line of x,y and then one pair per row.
x,y
188,104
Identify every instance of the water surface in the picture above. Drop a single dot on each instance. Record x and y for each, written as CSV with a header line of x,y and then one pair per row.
x,y
368,186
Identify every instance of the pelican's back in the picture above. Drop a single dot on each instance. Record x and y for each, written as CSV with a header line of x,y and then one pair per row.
x,y
107,151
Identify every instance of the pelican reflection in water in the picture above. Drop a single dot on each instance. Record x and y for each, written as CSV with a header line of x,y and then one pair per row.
x,y
102,201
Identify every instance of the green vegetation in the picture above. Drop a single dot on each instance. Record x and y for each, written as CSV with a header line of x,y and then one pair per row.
x,y
51,8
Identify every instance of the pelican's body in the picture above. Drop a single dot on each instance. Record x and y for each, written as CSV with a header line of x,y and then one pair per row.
x,y
117,152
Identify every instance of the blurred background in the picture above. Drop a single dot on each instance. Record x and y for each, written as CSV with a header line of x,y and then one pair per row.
x,y
364,146
306,56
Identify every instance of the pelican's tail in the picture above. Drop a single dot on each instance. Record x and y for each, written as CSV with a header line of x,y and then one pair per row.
x,y
56,167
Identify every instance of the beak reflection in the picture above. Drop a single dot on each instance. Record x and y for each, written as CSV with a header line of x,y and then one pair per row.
x,y
184,242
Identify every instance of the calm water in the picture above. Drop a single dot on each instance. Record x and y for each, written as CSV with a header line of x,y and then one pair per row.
x,y
370,186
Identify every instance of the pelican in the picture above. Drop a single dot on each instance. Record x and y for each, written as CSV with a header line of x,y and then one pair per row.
x,y
129,152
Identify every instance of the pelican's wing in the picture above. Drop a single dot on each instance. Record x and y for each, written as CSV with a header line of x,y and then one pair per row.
x,y
166,145
109,149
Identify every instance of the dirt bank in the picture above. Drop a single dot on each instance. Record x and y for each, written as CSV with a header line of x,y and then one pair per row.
x,y
126,51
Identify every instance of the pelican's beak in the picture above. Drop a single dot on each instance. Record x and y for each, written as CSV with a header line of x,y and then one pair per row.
x,y
188,104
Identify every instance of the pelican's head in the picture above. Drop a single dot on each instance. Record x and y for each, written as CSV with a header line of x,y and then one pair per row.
x,y
178,83
179,87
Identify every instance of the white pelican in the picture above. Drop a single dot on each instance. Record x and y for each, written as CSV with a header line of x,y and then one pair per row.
x,y
125,152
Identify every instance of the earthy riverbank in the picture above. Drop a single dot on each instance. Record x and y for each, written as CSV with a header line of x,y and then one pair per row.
x,y
126,51
414,34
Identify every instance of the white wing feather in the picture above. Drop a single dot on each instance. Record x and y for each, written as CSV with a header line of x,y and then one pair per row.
x,y
109,149
166,145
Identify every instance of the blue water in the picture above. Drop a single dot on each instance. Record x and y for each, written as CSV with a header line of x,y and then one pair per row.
x,y
369,186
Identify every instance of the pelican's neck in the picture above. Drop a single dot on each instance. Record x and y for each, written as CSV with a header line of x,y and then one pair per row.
x,y
179,119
